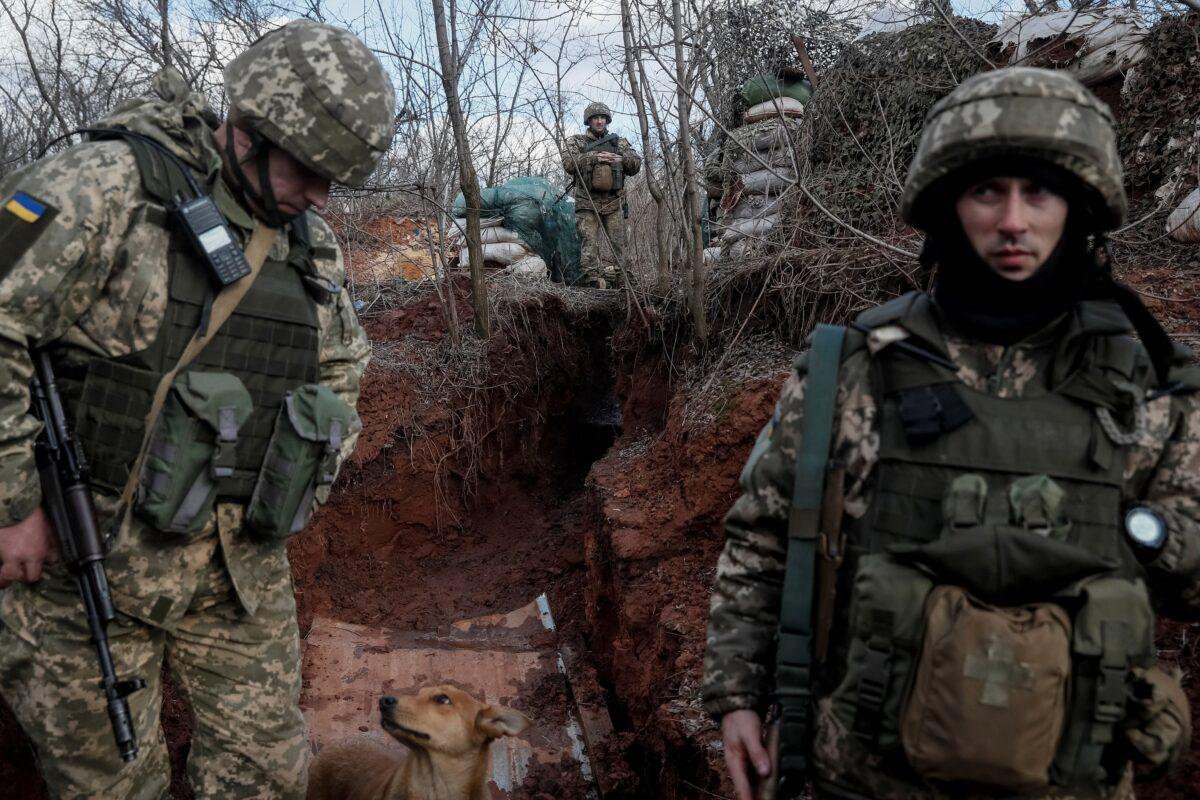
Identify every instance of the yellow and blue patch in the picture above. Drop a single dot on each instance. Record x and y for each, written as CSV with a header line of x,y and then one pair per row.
x,y
24,207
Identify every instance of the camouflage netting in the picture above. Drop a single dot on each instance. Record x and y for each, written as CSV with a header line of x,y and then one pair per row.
x,y
865,120
1160,110
859,134
1159,137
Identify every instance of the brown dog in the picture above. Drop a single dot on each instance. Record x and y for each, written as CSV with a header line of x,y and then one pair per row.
x,y
448,732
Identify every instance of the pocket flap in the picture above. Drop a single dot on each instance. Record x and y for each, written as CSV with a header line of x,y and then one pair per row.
x,y
319,415
217,398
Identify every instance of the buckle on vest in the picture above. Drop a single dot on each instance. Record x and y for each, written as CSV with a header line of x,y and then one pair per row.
x,y
225,456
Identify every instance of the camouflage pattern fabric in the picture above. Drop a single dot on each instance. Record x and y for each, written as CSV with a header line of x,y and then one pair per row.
x,y
1162,472
95,279
601,247
320,94
1020,112
239,673
578,165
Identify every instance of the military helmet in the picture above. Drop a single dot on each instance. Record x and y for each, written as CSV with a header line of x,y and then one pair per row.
x,y
597,110
1022,112
319,94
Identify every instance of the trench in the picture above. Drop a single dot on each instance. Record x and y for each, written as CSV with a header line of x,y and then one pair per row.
x,y
387,552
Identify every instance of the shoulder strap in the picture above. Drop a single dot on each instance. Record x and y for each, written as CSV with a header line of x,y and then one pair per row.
x,y
793,671
164,176
223,307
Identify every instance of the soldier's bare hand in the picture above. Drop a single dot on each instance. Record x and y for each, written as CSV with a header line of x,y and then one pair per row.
x,y
742,733
25,547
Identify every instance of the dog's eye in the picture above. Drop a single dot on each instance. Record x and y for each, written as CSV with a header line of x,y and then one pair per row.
x,y
442,699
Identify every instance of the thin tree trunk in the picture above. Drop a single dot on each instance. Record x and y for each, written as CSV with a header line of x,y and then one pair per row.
x,y
467,178
662,264
164,31
696,243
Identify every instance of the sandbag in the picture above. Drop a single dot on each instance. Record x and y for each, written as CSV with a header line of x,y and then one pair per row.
x,y
1184,223
762,88
768,182
775,107
530,267
753,206
781,157
493,234
712,255
743,228
765,136
503,253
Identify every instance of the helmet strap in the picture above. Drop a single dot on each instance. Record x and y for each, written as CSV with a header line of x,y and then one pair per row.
x,y
264,197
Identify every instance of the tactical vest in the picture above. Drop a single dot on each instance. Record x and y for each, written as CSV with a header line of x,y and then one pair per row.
x,y
270,343
614,181
1019,501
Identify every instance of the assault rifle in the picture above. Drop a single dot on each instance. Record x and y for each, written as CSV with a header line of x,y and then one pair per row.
x,y
67,497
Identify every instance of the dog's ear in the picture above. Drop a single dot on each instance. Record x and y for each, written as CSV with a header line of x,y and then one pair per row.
x,y
496,721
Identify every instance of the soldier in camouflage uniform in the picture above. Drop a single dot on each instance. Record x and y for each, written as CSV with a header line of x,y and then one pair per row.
x,y
1025,160
598,213
94,272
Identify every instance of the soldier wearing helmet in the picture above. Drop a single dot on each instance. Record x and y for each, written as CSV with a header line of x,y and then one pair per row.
x,y
198,495
958,528
597,163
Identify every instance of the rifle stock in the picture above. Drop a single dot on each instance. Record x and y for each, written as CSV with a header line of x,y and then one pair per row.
x,y
768,787
67,497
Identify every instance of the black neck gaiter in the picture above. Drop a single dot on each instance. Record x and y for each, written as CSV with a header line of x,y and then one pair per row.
x,y
986,306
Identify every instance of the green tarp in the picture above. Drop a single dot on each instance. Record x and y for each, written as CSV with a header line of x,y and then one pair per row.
x,y
762,88
541,215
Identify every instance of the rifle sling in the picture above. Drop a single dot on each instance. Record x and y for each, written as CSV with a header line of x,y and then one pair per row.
x,y
793,674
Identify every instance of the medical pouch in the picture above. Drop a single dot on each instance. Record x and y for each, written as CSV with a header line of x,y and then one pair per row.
x,y
989,700
191,451
603,179
887,619
301,457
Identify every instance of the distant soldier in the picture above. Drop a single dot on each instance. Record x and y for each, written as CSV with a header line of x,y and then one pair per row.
x,y
597,162
100,272
958,530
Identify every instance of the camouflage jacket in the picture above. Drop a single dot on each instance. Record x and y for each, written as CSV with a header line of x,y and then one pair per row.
x,y
1162,472
576,163
95,278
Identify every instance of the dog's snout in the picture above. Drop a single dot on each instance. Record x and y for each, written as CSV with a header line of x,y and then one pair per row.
x,y
387,701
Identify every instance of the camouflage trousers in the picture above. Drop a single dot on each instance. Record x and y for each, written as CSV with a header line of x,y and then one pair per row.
x,y
239,673
601,247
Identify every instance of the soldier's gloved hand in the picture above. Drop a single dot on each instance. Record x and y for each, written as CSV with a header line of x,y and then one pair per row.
x,y
1160,725
25,547
742,733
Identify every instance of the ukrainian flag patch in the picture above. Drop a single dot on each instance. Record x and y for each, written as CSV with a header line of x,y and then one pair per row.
x,y
24,207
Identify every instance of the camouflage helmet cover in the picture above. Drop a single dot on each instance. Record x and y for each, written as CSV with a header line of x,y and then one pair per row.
x,y
597,110
318,93
1024,112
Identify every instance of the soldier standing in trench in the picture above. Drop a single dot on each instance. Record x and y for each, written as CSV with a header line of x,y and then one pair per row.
x,y
98,274
1018,482
597,163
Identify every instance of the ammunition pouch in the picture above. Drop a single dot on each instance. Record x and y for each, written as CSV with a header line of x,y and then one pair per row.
x,y
302,457
192,451
607,177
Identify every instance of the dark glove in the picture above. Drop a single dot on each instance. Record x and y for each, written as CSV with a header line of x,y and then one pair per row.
x,y
1159,727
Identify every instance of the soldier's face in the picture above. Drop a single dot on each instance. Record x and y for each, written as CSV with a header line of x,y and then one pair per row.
x,y
295,186
598,124
1013,223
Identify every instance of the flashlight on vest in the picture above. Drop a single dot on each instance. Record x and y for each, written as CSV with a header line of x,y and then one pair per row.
x,y
1146,533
